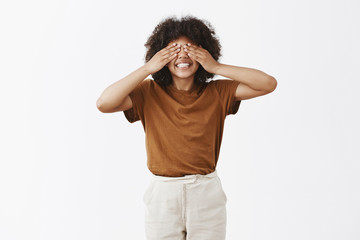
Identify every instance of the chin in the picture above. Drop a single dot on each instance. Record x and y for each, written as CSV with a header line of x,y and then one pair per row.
x,y
184,74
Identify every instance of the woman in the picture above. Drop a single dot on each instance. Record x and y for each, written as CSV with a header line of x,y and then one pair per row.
x,y
183,115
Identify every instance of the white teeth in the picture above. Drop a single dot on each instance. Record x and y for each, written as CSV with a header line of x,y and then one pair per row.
x,y
183,65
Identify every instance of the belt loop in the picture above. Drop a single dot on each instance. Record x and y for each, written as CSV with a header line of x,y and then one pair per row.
x,y
195,178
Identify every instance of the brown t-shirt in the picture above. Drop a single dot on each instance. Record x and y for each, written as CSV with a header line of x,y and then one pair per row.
x,y
183,129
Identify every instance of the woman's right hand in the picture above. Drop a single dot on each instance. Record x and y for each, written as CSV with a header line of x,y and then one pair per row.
x,y
162,57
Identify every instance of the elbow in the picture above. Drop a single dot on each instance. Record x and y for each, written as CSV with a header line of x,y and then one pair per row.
x,y
271,84
101,106
105,107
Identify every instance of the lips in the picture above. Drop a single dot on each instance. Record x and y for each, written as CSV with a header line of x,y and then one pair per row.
x,y
183,65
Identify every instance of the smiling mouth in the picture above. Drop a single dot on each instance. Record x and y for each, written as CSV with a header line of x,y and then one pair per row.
x,y
183,65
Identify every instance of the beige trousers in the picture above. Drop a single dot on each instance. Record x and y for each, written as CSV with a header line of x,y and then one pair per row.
x,y
192,207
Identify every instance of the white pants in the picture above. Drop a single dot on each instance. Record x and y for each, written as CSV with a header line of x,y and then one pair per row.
x,y
192,207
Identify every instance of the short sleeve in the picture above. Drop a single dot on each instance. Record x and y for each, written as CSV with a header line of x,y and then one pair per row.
x,y
227,90
137,96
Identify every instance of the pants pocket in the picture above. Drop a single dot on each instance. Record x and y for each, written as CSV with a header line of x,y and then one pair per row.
x,y
221,189
148,192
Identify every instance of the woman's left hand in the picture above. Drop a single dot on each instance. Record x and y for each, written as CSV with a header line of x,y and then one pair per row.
x,y
202,56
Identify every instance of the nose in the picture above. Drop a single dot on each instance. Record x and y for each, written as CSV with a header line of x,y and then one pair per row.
x,y
182,53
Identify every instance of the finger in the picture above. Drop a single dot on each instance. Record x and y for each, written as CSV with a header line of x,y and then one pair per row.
x,y
172,57
194,56
165,61
198,51
194,53
166,49
173,46
168,57
170,49
190,50
194,48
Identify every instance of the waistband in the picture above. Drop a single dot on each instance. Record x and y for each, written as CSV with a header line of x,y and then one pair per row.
x,y
186,178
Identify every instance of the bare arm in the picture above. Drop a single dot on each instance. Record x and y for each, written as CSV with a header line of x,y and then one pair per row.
x,y
254,78
254,82
116,96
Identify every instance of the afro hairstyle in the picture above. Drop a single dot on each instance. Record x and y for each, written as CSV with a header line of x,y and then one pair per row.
x,y
199,31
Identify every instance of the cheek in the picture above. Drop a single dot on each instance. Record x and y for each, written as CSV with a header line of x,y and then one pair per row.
x,y
171,63
194,61
196,65
173,60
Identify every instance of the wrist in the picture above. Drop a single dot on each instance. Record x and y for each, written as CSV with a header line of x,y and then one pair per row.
x,y
145,68
217,68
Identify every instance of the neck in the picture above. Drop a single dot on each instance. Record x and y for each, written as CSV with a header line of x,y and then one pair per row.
x,y
183,83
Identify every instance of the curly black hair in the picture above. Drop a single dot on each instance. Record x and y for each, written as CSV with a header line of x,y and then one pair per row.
x,y
199,31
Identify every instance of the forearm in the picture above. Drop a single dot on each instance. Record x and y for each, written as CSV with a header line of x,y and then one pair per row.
x,y
116,93
251,77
